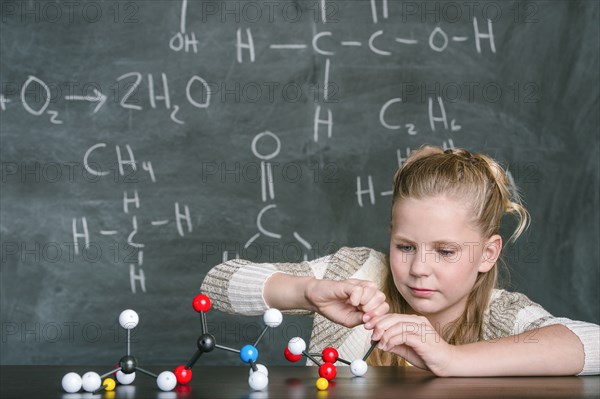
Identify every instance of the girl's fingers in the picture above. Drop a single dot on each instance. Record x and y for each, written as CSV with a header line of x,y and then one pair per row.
x,y
375,300
366,295
376,307
383,324
400,334
414,333
379,325
362,296
356,296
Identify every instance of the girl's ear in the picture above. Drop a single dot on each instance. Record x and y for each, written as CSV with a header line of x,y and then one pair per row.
x,y
491,253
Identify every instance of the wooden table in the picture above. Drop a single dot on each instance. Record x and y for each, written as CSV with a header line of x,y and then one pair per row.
x,y
297,382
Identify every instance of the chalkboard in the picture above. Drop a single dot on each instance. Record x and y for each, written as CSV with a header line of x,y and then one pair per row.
x,y
145,141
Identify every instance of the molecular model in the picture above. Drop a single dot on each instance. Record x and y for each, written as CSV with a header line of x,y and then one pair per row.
x,y
125,372
258,374
296,348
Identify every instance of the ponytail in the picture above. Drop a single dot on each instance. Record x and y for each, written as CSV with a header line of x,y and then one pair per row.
x,y
511,201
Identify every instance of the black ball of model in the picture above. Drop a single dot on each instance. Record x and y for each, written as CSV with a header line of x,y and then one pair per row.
x,y
206,342
128,364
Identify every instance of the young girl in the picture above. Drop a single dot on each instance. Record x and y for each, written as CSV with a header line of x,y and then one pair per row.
x,y
434,302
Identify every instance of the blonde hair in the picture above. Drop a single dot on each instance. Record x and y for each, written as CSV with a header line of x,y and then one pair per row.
x,y
479,181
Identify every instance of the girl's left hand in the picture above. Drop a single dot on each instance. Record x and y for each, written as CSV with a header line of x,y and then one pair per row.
x,y
414,339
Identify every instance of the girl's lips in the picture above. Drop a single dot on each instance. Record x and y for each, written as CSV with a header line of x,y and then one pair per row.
x,y
421,292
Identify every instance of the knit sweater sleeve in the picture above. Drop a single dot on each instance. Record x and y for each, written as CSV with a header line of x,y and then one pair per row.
x,y
512,313
236,286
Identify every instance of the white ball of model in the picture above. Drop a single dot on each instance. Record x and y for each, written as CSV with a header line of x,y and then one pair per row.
x,y
258,380
129,319
273,318
166,381
359,367
91,381
125,379
71,382
296,345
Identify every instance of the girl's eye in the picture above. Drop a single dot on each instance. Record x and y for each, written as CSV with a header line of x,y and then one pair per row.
x,y
446,252
405,248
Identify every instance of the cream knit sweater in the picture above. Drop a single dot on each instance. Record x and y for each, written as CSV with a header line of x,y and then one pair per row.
x,y
236,287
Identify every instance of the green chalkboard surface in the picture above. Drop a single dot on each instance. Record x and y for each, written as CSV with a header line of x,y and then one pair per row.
x,y
143,142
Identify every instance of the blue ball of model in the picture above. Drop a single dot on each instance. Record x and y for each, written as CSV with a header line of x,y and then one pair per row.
x,y
248,354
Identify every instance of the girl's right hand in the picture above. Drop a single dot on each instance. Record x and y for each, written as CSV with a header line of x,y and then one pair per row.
x,y
347,302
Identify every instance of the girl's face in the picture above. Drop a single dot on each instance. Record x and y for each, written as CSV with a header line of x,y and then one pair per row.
x,y
436,253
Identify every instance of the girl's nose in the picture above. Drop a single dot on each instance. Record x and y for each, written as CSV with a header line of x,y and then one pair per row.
x,y
422,263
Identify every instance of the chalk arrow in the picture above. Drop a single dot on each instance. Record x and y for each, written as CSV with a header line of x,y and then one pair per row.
x,y
99,98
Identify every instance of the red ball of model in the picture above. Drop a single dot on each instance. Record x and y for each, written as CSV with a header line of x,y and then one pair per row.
x,y
183,374
201,303
327,371
329,355
290,356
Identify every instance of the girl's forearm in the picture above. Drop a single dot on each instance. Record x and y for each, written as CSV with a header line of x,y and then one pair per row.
x,y
552,350
287,292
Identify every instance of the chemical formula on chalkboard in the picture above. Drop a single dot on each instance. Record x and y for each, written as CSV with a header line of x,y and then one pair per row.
x,y
131,202
437,41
